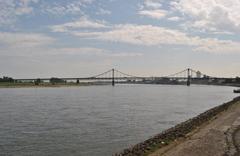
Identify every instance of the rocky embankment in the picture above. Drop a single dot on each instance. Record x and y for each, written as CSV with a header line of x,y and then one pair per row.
x,y
176,132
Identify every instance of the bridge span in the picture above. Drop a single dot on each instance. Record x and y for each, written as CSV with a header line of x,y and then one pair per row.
x,y
186,76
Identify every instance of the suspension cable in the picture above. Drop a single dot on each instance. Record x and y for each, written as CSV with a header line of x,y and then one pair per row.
x,y
102,74
128,75
172,75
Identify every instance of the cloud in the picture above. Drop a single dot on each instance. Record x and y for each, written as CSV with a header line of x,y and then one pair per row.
x,y
152,9
11,9
90,51
210,15
64,8
214,16
149,35
25,40
152,4
83,22
157,13
174,18
102,11
139,34
43,51
50,61
217,46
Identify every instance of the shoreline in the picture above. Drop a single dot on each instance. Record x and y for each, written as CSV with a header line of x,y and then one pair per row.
x,y
31,85
47,85
176,135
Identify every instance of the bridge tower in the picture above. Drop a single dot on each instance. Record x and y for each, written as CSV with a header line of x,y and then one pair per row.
x,y
188,77
113,81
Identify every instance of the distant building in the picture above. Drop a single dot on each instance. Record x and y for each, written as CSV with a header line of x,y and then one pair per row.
x,y
199,74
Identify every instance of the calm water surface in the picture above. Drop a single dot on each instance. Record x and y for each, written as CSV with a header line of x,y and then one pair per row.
x,y
96,120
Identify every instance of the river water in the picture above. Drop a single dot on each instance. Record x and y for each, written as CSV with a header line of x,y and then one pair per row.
x,y
96,120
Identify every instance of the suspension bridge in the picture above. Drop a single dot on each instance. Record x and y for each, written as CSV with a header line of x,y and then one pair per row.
x,y
113,76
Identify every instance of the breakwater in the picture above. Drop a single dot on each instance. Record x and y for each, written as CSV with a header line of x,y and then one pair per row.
x,y
176,132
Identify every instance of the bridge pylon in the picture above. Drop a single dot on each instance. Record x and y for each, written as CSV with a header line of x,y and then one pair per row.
x,y
188,77
113,80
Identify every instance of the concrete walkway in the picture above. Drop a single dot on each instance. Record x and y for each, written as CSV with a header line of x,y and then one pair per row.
x,y
218,137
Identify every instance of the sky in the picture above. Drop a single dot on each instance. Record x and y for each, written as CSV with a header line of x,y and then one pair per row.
x,y
78,38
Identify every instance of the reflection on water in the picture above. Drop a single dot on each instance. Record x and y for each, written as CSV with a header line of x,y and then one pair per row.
x,y
96,120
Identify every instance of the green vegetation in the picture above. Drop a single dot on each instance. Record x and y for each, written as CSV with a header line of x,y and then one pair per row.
x,y
6,79
33,84
37,82
55,80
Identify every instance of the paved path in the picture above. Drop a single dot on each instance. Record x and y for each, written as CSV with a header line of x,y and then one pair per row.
x,y
209,139
236,139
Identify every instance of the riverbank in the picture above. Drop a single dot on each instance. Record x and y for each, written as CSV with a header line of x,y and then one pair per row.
x,y
44,85
212,133
33,85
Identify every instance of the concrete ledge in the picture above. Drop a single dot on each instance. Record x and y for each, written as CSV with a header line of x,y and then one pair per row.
x,y
178,131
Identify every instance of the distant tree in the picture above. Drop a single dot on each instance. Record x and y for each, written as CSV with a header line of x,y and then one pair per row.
x,y
228,81
237,79
54,80
77,81
37,81
205,77
6,79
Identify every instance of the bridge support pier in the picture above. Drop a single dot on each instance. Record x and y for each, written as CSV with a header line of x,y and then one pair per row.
x,y
113,81
188,77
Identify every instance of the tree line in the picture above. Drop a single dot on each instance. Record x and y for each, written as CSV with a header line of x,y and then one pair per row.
x,y
6,79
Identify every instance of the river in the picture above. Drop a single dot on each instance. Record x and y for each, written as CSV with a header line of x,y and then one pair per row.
x,y
96,120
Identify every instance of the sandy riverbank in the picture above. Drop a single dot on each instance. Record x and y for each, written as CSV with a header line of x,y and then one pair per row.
x,y
212,133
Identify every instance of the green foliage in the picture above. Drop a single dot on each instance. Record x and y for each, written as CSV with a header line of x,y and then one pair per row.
x,y
37,82
6,79
54,80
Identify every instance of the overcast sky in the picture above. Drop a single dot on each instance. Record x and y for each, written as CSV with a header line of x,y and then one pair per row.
x,y
45,38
